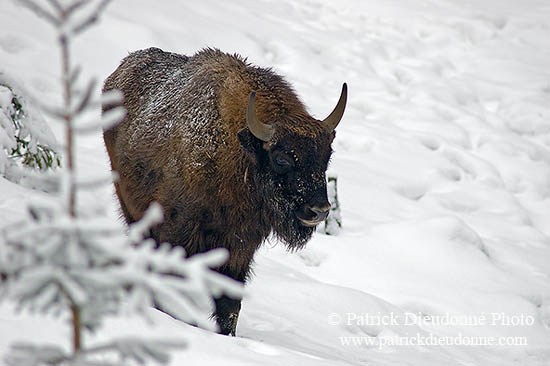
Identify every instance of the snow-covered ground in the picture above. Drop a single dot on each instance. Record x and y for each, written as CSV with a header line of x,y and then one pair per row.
x,y
443,159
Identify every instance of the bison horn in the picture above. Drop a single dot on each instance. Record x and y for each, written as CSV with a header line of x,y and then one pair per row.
x,y
260,130
336,115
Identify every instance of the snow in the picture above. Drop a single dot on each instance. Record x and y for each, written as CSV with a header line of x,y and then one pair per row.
x,y
443,163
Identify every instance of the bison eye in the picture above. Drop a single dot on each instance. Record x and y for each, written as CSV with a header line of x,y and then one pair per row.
x,y
281,163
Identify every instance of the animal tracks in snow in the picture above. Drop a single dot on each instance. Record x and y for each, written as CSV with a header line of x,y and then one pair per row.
x,y
442,157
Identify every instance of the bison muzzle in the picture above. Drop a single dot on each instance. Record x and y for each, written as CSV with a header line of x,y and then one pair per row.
x,y
226,148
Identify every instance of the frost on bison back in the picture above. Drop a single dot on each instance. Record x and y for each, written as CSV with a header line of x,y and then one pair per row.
x,y
226,148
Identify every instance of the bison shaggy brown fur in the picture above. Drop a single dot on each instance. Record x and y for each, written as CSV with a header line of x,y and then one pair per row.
x,y
226,148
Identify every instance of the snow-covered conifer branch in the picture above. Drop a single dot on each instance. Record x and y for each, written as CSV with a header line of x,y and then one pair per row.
x,y
117,352
77,263
25,139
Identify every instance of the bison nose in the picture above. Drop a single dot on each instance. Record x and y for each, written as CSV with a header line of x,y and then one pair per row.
x,y
319,213
313,215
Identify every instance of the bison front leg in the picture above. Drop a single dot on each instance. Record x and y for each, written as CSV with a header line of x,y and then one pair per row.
x,y
227,309
196,231
227,314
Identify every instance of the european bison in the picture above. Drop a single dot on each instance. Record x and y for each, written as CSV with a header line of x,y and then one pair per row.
x,y
226,148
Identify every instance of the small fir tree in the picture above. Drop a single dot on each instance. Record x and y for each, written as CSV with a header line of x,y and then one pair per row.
x,y
25,138
75,262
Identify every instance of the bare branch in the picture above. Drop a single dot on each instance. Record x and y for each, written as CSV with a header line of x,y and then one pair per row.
x,y
55,4
41,12
74,75
94,17
85,101
74,6
57,113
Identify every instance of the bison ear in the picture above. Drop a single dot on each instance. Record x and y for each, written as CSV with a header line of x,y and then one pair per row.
x,y
250,143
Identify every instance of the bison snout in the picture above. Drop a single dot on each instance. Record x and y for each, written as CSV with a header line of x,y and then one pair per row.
x,y
313,215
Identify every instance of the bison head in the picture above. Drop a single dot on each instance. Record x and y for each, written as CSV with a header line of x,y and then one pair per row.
x,y
291,157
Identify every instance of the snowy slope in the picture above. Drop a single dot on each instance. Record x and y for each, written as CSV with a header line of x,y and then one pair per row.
x,y
443,159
